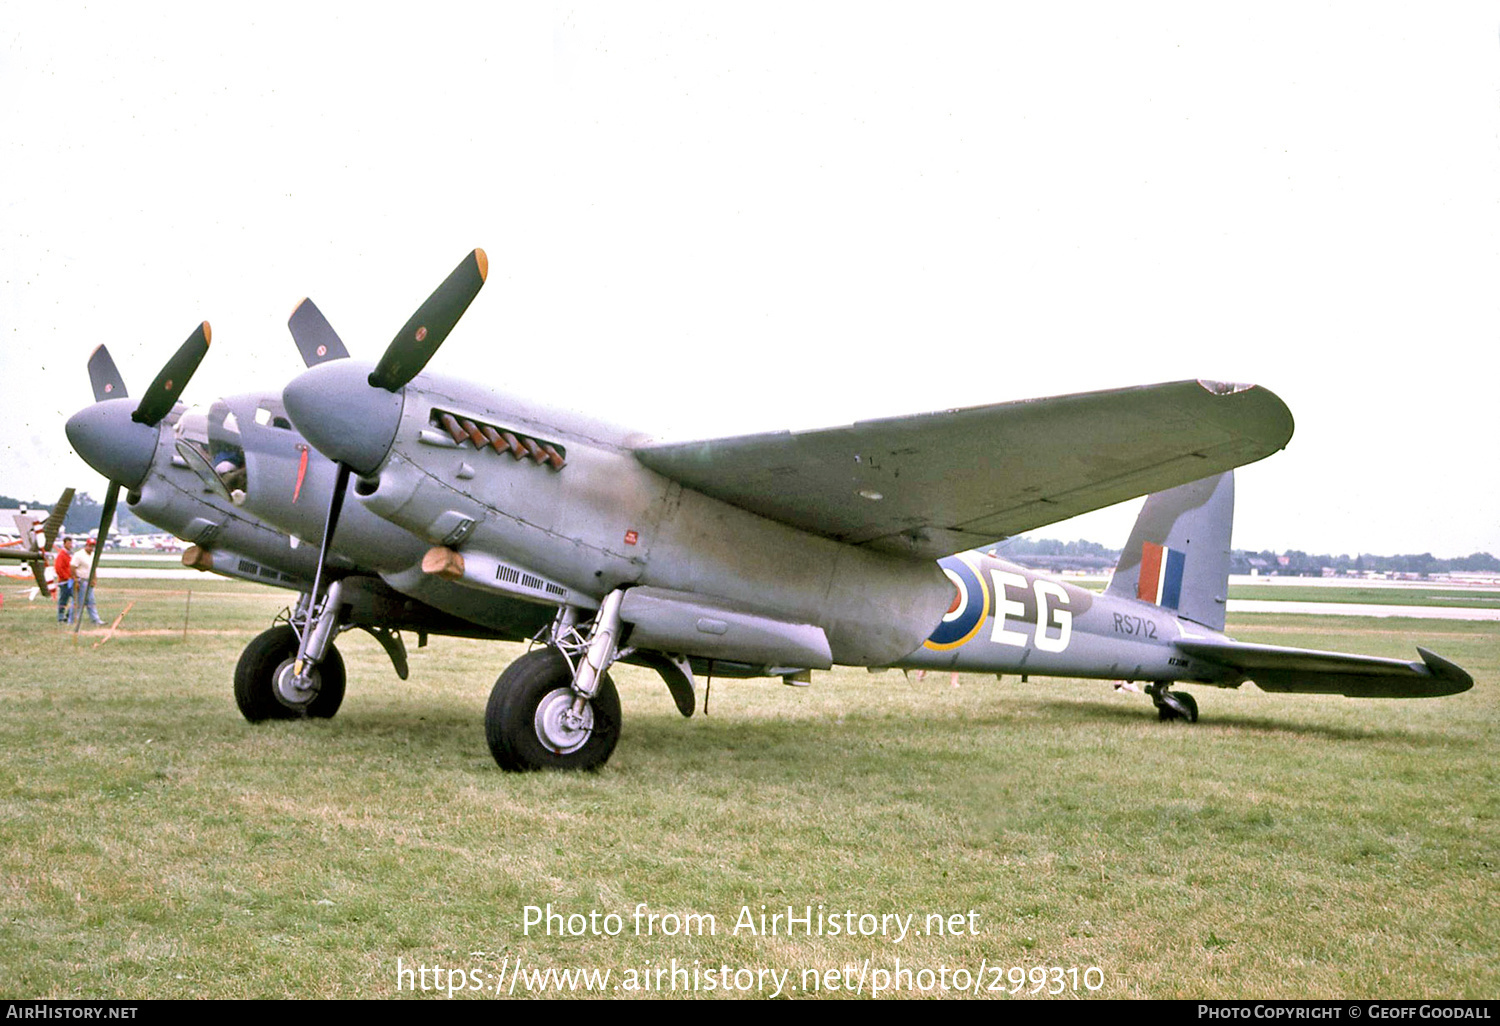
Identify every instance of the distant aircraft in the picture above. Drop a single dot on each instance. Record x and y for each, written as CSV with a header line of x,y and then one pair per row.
x,y
781,553
26,549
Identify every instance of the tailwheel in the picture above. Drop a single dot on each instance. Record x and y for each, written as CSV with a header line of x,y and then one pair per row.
x,y
531,722
263,680
1173,705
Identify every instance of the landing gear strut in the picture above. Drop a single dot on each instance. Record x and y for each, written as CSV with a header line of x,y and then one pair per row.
x,y
556,707
1172,705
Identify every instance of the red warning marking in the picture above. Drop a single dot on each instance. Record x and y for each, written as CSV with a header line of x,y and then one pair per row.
x,y
631,537
322,350
421,334
301,472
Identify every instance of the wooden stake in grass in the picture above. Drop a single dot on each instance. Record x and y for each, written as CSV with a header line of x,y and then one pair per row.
x,y
186,613
111,632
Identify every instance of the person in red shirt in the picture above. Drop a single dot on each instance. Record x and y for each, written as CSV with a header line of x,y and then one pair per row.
x,y
64,567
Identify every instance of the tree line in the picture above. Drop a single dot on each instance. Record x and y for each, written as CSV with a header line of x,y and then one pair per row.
x,y
1050,552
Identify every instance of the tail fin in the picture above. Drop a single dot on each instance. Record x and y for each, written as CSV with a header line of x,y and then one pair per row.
x,y
26,528
1178,552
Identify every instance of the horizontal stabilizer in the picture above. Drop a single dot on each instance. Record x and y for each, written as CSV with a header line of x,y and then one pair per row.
x,y
1274,668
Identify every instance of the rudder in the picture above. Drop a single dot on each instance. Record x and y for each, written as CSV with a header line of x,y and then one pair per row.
x,y
1178,553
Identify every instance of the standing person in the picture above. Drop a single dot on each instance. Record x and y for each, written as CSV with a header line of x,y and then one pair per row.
x,y
83,564
63,564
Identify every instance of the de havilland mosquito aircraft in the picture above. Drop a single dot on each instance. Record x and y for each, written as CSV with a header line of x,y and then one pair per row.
x,y
772,554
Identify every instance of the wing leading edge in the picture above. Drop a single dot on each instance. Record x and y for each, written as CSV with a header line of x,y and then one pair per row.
x,y
936,483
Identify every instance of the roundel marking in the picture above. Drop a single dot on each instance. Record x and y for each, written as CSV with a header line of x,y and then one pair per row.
x,y
967,613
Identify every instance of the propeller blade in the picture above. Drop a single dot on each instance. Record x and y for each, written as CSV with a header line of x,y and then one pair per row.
x,y
415,343
316,340
105,519
335,507
104,376
54,522
158,400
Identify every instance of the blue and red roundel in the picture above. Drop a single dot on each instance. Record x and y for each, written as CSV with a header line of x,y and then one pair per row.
x,y
971,605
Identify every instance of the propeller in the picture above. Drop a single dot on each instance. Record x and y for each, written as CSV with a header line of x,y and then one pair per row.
x,y
174,376
347,410
420,337
316,340
110,444
104,376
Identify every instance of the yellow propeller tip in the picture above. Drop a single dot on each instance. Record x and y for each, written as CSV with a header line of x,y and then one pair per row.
x,y
483,262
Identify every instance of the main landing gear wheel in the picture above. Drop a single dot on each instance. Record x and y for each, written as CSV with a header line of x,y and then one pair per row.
x,y
262,679
529,722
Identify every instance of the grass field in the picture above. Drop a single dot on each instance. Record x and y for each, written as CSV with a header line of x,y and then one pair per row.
x,y
153,844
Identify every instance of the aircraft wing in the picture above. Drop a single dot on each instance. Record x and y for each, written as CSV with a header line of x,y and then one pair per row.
x,y
936,483
1274,668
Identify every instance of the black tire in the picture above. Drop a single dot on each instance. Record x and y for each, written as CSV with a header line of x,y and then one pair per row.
x,y
1166,712
255,679
510,719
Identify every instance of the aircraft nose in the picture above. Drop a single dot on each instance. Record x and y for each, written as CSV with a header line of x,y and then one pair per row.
x,y
112,443
343,416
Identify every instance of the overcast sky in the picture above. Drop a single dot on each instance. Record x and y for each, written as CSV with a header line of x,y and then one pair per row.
x,y
714,219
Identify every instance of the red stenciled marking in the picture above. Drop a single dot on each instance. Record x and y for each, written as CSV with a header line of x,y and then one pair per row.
x,y
301,472
421,334
322,350
631,537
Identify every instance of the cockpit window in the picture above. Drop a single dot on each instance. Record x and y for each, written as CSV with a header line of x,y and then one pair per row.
x,y
210,444
267,415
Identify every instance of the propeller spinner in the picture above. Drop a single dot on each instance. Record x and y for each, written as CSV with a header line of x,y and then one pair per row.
x,y
120,442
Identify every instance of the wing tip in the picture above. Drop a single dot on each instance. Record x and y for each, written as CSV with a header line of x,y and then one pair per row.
x,y
1446,670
